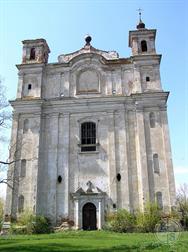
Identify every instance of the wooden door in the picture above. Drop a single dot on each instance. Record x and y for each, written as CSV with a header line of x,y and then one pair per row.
x,y
89,216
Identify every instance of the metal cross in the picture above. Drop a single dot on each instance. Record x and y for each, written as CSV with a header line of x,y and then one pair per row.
x,y
140,13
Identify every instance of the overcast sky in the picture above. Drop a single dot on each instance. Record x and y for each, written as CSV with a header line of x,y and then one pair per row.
x,y
64,24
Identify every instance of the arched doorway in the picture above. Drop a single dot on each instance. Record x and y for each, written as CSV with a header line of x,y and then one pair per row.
x,y
89,216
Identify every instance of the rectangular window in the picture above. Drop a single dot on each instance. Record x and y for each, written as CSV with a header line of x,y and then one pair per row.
x,y
88,136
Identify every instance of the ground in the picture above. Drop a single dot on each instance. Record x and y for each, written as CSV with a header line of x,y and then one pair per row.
x,y
92,241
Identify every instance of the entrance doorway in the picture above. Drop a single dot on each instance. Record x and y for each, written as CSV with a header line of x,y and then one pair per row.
x,y
89,216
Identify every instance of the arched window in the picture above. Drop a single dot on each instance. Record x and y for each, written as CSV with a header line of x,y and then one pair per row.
x,y
25,125
159,199
32,54
156,163
23,168
152,120
144,46
20,203
88,136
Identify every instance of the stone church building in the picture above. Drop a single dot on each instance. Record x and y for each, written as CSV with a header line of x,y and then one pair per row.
x,y
90,133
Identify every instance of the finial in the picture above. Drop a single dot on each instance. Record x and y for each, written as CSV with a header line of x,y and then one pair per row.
x,y
140,14
141,25
88,39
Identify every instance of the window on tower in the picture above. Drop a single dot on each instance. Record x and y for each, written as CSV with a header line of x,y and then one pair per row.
x,y
88,136
29,86
23,168
152,120
156,163
25,126
20,203
147,78
144,46
159,199
32,54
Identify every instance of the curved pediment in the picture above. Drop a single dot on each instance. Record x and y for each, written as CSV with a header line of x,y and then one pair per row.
x,y
88,49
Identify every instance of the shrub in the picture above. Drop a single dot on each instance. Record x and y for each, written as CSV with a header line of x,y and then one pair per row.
x,y
41,225
147,220
182,205
31,224
121,221
16,229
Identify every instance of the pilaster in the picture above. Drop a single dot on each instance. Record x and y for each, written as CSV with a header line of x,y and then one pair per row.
x,y
141,158
112,158
168,158
52,165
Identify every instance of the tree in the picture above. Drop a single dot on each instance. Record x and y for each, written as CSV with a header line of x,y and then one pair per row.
x,y
182,204
5,119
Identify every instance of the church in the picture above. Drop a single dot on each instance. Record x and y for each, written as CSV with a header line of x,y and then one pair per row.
x,y
90,133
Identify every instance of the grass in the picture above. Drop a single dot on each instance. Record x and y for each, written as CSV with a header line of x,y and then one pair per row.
x,y
92,241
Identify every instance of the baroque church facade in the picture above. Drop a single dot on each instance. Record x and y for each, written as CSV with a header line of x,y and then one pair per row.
x,y
90,133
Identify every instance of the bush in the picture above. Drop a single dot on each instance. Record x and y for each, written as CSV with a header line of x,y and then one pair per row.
x,y
121,221
182,205
16,229
41,225
147,220
31,224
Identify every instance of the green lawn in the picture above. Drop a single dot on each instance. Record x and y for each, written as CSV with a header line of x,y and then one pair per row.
x,y
92,241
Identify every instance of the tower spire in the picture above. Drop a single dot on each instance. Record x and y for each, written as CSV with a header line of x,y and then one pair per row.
x,y
141,25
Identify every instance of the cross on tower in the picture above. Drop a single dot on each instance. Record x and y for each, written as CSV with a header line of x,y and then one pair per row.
x,y
140,13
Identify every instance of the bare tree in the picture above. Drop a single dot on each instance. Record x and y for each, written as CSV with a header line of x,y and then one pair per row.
x,y
5,120
5,115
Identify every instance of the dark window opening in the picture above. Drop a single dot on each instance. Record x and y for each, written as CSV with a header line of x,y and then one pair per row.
x,y
144,46
20,203
156,163
32,54
159,199
118,177
59,179
23,168
147,78
25,126
88,136
114,205
29,86
152,120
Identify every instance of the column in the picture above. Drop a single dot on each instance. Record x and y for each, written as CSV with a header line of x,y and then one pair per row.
x,y
100,216
77,214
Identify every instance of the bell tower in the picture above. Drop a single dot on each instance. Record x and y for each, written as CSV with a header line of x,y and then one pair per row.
x,y
145,59
35,51
142,40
